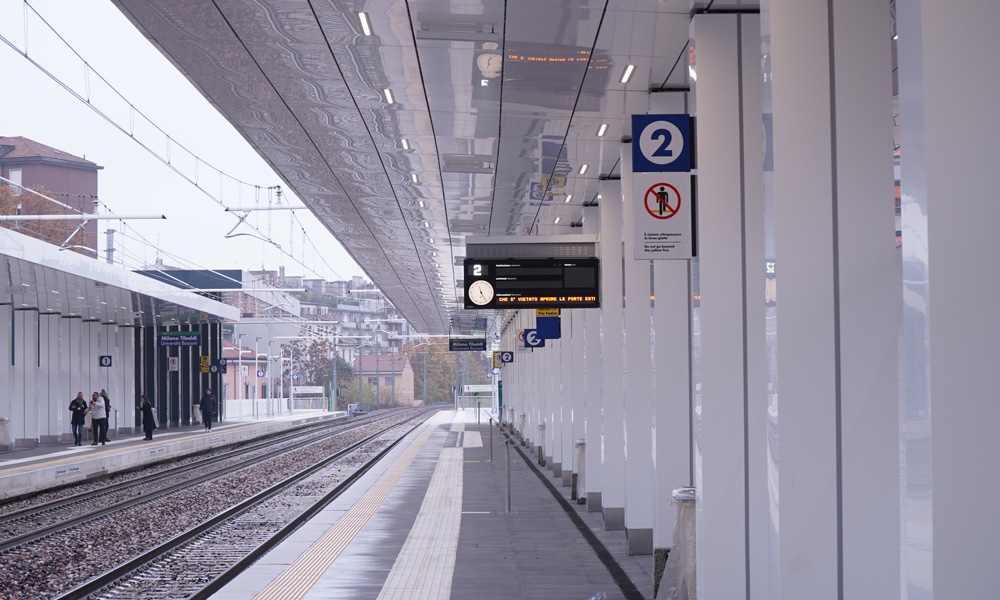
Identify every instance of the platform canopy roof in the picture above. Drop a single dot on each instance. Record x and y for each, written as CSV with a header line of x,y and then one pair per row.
x,y
38,276
452,118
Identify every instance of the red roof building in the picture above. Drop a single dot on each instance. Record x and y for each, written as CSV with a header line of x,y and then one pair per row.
x,y
67,178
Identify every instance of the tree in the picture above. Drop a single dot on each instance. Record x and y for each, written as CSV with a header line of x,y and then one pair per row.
x,y
26,203
440,369
312,361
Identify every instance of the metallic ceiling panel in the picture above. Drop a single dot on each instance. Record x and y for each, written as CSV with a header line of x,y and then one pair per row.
x,y
496,106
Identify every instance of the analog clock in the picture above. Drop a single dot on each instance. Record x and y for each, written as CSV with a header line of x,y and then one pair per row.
x,y
480,292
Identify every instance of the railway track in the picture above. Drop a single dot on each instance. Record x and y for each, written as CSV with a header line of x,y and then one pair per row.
x,y
82,556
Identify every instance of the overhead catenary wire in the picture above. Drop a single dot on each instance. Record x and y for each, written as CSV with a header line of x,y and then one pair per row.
x,y
130,132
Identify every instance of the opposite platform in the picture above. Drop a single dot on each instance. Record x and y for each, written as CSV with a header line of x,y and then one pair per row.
x,y
430,522
29,470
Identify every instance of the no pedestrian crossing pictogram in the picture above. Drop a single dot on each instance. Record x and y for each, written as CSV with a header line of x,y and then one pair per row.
x,y
662,200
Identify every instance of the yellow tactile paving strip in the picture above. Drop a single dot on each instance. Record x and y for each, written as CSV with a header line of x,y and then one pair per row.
x,y
296,581
425,565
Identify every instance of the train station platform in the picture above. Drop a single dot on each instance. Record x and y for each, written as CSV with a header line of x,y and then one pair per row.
x,y
27,470
430,521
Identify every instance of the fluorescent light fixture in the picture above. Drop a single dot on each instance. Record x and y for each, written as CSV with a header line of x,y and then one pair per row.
x,y
431,240
388,96
421,203
895,36
569,197
413,177
426,224
365,27
406,144
628,73
692,73
583,169
556,222
434,253
600,132
55,291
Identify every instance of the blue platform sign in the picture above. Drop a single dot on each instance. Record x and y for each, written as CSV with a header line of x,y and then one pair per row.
x,y
548,328
104,361
532,339
661,143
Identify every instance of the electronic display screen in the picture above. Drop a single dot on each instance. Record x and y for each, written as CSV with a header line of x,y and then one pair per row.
x,y
532,283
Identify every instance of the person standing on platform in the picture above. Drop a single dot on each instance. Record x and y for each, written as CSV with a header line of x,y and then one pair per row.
x,y
99,416
78,406
148,421
208,407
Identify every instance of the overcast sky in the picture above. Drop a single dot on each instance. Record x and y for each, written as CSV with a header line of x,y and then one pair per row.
x,y
133,180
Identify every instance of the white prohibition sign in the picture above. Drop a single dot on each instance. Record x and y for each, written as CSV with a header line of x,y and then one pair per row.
x,y
661,142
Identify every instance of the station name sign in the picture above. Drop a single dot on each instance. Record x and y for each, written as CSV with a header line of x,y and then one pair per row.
x,y
467,345
179,338
532,283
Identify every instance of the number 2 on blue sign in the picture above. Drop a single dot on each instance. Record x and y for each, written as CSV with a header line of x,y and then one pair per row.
x,y
663,150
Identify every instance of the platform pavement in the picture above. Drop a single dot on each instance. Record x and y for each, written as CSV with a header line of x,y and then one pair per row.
x,y
430,522
550,555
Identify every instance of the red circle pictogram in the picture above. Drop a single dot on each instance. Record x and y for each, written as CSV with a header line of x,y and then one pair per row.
x,y
662,201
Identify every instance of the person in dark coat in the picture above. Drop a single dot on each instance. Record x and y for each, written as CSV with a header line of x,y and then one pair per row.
x,y
148,421
78,406
208,407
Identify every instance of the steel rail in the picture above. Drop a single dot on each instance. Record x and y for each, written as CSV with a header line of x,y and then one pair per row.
x,y
110,577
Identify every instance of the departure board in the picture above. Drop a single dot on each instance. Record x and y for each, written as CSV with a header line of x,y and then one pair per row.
x,y
532,283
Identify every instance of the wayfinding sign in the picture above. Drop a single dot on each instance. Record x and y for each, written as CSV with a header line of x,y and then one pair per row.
x,y
661,143
467,344
179,338
662,204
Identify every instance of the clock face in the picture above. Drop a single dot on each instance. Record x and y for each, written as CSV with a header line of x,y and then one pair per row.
x,y
480,292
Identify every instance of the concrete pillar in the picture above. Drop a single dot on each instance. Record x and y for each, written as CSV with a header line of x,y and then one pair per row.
x,y
594,375
24,424
671,365
638,379
613,391
948,162
573,321
6,374
53,391
731,484
836,441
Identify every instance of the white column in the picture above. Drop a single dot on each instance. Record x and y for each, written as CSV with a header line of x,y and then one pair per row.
x,y
613,392
127,390
6,374
570,387
594,375
671,364
24,425
731,494
553,354
53,418
837,438
573,320
949,214
638,380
